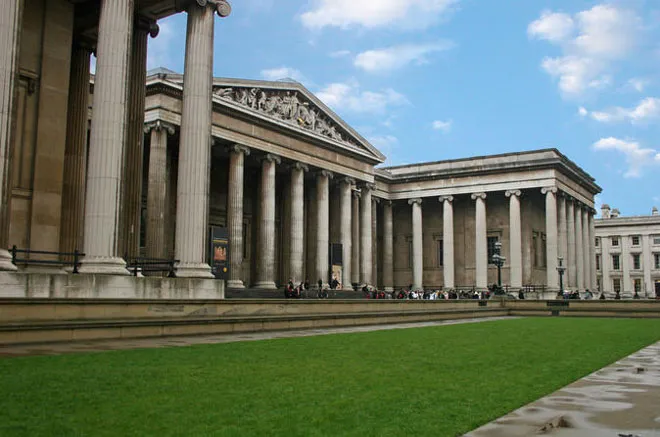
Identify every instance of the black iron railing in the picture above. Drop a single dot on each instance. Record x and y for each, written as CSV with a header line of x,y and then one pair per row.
x,y
151,265
65,258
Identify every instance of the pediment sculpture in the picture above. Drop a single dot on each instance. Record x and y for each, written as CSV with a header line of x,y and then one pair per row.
x,y
287,106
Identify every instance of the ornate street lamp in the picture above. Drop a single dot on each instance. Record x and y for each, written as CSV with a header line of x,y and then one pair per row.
x,y
498,260
561,269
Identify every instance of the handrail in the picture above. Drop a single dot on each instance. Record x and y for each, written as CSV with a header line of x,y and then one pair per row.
x,y
16,260
144,264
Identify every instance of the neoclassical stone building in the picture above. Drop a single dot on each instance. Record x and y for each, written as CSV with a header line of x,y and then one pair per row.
x,y
147,170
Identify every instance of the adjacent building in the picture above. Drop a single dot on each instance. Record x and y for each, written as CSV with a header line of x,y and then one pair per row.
x,y
628,253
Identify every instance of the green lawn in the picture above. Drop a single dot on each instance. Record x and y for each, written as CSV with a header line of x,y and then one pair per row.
x,y
438,381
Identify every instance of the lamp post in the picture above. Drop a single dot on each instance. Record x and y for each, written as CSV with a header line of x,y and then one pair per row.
x,y
498,260
561,269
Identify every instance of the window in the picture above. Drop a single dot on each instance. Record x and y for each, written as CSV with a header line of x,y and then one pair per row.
x,y
616,285
597,262
656,240
637,284
637,263
491,248
635,240
657,260
615,262
597,242
440,253
615,241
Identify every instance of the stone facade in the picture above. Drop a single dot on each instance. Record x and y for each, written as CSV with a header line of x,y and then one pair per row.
x,y
627,253
267,160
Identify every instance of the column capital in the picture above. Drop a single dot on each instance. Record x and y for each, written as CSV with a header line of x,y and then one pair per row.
x,y
386,202
300,166
159,125
239,148
444,199
476,196
546,190
272,158
325,173
509,193
347,180
375,199
368,186
148,25
222,7
357,194
417,201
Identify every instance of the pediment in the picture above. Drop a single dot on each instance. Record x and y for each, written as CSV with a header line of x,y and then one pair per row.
x,y
293,105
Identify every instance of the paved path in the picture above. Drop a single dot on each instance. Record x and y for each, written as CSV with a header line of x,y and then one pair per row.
x,y
621,400
139,343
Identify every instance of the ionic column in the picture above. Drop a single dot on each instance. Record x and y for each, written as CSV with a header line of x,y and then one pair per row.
x,y
365,234
579,249
448,241
107,139
592,252
563,229
587,247
345,231
130,220
515,239
297,221
374,240
266,252
481,241
322,225
237,154
157,209
355,233
551,243
417,243
195,145
571,263
75,155
388,247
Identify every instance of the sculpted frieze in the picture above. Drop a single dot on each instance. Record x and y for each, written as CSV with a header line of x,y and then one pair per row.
x,y
288,106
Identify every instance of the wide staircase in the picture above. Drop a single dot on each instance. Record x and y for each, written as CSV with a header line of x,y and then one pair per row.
x,y
54,320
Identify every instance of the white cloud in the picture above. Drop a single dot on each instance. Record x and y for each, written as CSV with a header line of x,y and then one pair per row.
x,y
387,144
647,109
552,26
444,126
348,96
591,41
395,57
159,49
583,111
638,84
636,157
282,73
375,13
340,53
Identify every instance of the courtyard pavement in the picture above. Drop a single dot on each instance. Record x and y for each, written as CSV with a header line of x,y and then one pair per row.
x,y
620,400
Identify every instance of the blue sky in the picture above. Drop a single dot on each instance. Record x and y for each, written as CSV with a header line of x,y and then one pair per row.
x,y
427,80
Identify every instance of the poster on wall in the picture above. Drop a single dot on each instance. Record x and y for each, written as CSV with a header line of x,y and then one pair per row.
x,y
219,252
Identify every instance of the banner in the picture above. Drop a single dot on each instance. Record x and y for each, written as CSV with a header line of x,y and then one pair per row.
x,y
219,252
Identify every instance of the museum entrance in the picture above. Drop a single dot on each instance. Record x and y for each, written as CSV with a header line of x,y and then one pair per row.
x,y
657,288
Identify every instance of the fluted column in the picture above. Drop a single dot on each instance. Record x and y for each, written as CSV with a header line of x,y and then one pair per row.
x,y
266,252
388,247
237,154
157,209
448,241
11,20
195,145
551,243
130,219
563,230
417,243
586,247
481,241
374,240
571,276
345,231
355,233
579,252
365,234
592,252
107,139
297,221
75,155
515,239
322,225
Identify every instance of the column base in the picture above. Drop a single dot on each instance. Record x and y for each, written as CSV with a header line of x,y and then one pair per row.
x,y
103,266
388,289
235,283
5,261
265,285
194,270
